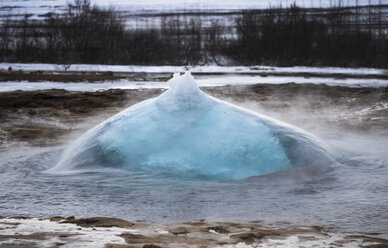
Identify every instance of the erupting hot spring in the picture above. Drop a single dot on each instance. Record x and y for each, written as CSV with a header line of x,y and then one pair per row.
x,y
188,133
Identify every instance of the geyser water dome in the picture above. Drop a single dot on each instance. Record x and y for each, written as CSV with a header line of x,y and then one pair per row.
x,y
188,133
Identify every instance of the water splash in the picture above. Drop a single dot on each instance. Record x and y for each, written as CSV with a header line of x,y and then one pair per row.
x,y
188,133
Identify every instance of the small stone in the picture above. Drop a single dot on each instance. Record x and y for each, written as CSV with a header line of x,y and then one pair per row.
x,y
179,230
151,246
219,229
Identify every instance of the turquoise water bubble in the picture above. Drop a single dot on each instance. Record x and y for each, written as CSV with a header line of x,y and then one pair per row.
x,y
186,133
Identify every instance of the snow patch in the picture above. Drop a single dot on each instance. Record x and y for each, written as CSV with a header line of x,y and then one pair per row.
x,y
193,69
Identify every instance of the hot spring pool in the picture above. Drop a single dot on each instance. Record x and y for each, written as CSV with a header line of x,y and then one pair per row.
x,y
349,195
352,196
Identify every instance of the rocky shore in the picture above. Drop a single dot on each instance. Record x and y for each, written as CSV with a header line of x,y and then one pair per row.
x,y
117,233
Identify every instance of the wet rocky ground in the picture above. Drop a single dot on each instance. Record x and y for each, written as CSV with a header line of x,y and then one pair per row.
x,y
46,117
97,76
106,232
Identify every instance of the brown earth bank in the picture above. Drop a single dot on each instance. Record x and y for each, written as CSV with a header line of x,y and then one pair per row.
x,y
43,117
90,76
107,232
51,117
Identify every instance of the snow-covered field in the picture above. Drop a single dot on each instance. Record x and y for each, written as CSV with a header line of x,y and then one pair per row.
x,y
205,75
194,69
38,7
203,81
